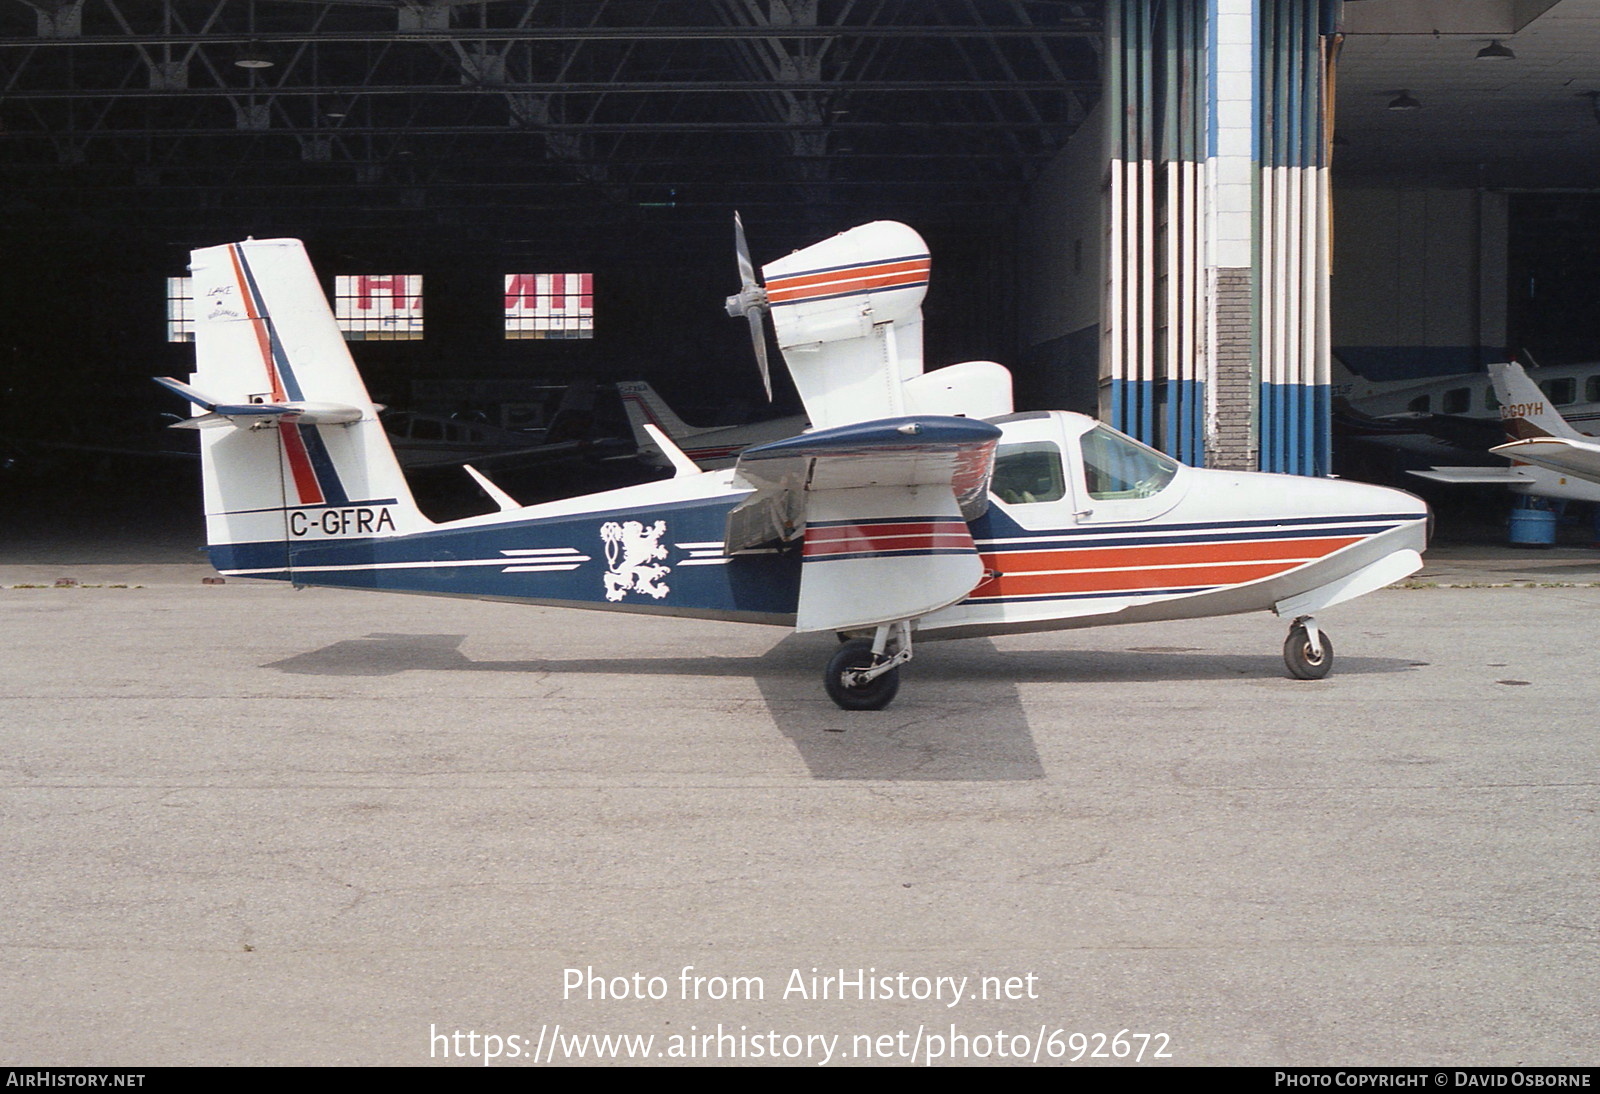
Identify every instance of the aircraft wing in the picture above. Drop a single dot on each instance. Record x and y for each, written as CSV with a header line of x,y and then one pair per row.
x,y
1486,476
1568,456
880,509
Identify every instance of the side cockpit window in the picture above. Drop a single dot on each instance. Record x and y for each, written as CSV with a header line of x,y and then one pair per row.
x,y
1115,466
1026,473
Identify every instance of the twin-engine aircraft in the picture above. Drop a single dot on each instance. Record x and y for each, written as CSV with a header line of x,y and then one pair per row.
x,y
1549,457
918,505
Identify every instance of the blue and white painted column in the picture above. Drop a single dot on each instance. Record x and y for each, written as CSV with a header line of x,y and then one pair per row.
x,y
1215,323
1294,107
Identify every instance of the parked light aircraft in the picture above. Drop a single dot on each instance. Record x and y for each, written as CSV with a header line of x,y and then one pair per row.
x,y
916,505
1549,457
710,447
428,441
1575,389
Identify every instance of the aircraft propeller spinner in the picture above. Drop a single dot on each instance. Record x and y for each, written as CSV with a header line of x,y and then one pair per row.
x,y
751,301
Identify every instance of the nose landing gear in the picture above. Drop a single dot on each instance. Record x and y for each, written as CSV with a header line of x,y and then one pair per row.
x,y
1307,652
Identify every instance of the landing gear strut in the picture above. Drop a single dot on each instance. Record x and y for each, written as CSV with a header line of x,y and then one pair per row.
x,y
863,674
1307,651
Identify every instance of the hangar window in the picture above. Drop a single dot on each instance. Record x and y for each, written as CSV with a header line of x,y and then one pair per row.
x,y
180,309
1561,392
1117,466
1025,473
550,305
378,307
1458,400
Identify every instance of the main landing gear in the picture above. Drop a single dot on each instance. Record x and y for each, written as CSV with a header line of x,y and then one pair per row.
x,y
1307,651
864,674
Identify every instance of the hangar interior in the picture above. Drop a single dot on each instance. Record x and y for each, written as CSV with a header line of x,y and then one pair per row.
x,y
1174,215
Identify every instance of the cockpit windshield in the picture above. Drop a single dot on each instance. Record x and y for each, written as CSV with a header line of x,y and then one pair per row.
x,y
1117,466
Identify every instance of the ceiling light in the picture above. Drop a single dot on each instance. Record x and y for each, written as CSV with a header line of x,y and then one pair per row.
x,y
336,108
1404,102
1494,51
254,57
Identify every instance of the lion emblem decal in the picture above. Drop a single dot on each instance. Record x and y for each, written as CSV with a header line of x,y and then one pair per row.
x,y
631,552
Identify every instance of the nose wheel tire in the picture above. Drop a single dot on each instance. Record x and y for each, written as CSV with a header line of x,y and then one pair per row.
x,y
875,694
1304,662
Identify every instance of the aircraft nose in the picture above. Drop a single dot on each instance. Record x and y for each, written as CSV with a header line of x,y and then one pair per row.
x,y
1390,499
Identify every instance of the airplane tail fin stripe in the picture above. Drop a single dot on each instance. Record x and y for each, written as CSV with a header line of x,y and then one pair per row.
x,y
285,385
315,476
286,424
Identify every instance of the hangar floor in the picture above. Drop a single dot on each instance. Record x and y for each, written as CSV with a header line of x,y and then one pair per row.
x,y
249,825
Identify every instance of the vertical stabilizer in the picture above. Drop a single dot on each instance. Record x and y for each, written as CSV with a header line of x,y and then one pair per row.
x,y
264,334
645,406
1525,410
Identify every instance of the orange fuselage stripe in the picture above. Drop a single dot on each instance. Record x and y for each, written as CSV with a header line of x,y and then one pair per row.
x,y
1177,565
1130,580
1166,554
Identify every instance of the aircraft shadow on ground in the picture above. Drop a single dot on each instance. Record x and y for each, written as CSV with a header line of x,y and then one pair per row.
x,y
796,663
959,716
982,736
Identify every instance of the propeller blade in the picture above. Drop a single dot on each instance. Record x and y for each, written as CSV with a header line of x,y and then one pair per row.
x,y
750,302
747,269
759,337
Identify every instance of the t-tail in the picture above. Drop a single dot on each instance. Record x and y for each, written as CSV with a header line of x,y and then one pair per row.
x,y
292,452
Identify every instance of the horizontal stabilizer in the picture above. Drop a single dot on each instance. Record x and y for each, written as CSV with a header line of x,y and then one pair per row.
x,y
1578,458
252,415
1484,476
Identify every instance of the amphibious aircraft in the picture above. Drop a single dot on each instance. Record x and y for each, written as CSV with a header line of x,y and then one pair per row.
x,y
917,505
1549,458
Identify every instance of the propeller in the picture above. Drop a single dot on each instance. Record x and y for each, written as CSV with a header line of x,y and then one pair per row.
x,y
751,302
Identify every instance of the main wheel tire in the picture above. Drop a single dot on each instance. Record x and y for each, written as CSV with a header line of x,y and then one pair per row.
x,y
1304,662
875,694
